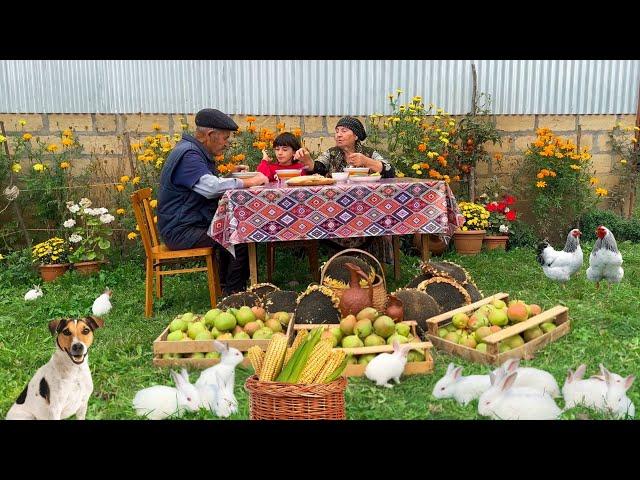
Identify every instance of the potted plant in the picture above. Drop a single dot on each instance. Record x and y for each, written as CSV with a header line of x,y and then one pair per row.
x,y
468,238
90,235
52,257
499,204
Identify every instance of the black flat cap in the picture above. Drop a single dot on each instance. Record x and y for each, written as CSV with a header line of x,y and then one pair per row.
x,y
212,118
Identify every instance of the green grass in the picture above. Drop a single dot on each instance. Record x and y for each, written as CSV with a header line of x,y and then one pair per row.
x,y
604,328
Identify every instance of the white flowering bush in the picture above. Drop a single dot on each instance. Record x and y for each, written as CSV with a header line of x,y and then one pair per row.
x,y
88,231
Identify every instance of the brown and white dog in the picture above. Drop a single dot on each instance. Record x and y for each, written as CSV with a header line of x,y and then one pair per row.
x,y
63,385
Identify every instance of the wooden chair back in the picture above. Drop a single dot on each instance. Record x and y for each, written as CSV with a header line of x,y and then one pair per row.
x,y
141,201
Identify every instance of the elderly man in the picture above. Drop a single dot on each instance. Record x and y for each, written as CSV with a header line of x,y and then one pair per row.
x,y
189,192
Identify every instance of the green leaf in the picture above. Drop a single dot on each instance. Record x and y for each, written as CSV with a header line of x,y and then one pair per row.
x,y
104,244
91,256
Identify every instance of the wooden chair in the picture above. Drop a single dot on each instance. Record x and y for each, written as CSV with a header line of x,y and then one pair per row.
x,y
311,247
158,254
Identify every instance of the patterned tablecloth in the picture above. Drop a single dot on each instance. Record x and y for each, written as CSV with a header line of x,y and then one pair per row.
x,y
395,206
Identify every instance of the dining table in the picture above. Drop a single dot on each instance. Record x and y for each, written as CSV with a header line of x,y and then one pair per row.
x,y
277,212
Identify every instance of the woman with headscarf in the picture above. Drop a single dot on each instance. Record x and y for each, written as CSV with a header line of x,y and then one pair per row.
x,y
348,152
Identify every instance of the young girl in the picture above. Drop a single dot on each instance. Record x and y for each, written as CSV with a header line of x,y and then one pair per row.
x,y
285,145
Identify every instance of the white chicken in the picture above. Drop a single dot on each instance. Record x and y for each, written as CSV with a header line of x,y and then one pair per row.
x,y
605,261
560,265
34,293
102,305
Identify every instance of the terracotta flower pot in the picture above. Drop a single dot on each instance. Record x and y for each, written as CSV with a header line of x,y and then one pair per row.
x,y
50,272
468,242
493,242
88,268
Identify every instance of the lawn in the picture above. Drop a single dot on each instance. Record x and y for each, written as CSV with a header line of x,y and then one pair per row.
x,y
605,327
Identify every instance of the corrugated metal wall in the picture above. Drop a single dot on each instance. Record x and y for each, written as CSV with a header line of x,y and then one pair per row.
x,y
315,87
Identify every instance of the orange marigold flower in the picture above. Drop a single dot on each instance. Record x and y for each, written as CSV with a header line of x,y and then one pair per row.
x,y
119,187
539,143
297,132
498,156
552,173
422,147
218,158
251,119
540,175
27,136
64,165
251,128
52,148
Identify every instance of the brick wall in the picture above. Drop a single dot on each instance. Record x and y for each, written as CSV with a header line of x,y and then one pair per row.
x,y
102,134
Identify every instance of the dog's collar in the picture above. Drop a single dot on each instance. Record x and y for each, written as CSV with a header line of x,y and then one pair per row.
x,y
71,356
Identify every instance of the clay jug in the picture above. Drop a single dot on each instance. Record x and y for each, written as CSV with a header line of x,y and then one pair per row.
x,y
395,309
355,298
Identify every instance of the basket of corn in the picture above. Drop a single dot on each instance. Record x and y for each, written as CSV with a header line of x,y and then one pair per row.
x,y
301,382
335,276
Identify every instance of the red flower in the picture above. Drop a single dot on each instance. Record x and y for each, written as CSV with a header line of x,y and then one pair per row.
x,y
509,199
502,206
492,207
511,215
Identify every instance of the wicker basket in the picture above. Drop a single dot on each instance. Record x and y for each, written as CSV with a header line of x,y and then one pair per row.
x,y
379,284
291,401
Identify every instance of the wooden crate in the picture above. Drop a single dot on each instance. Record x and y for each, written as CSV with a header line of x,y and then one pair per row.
x,y
161,346
354,370
558,315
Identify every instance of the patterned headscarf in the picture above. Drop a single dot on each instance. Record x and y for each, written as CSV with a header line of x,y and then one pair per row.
x,y
354,125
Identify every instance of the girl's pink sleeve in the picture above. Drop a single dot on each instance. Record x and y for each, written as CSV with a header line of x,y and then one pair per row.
x,y
263,168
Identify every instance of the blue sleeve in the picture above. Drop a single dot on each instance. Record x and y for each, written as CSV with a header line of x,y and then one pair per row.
x,y
190,169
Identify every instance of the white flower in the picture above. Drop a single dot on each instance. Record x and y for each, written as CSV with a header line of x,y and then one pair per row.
x,y
69,204
94,212
102,210
506,209
107,218
85,202
74,208
504,229
69,223
75,238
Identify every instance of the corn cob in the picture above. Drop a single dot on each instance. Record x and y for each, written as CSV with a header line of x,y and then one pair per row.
x,y
330,365
256,356
317,359
338,371
292,369
299,338
273,358
287,356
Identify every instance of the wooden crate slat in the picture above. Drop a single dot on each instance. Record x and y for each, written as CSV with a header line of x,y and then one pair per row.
x,y
517,328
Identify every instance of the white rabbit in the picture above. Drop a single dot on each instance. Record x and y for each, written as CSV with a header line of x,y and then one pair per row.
x,y
208,394
34,293
616,400
531,377
590,392
503,402
223,375
159,402
387,366
462,389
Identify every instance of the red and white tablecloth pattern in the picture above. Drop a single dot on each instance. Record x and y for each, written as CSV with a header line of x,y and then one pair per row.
x,y
396,206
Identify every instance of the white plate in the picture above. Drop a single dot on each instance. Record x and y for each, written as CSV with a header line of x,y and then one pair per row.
x,y
365,178
244,174
353,170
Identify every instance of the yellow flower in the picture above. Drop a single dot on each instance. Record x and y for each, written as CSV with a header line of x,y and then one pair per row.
x,y
120,211
153,203
124,179
623,161
119,187
184,126
400,175
541,184
573,166
64,165
67,133
419,172
432,154
2,139
27,137
137,228
156,126
601,192
399,91
67,142
132,235
22,123
135,181
593,181
52,148
16,167
38,167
